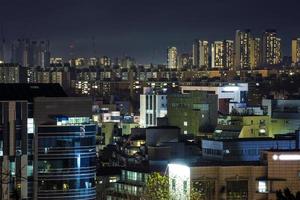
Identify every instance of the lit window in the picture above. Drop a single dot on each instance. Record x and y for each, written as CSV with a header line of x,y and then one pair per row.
x,y
262,186
30,125
185,123
173,184
185,132
112,179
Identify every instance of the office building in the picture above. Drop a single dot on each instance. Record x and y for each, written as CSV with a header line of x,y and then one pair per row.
x,y
296,51
242,49
271,48
17,133
153,105
130,185
65,157
172,58
194,113
230,95
285,114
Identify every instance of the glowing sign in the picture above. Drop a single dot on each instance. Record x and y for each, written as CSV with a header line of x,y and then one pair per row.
x,y
287,157
230,88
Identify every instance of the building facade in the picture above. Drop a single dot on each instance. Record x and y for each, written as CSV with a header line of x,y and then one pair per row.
x,y
296,51
65,157
271,48
242,49
172,58
276,171
29,53
193,113
152,106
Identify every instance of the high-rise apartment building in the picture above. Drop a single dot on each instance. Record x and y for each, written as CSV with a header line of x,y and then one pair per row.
x,y
195,53
65,153
242,49
228,55
127,62
201,53
255,52
172,58
29,53
204,54
184,60
296,51
271,48
105,61
217,54
13,73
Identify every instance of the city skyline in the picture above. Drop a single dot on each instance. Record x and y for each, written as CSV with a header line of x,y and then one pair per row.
x,y
119,28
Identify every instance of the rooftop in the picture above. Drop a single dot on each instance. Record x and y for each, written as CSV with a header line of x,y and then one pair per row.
x,y
22,91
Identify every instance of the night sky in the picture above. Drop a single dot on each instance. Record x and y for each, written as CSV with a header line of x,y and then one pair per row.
x,y
143,28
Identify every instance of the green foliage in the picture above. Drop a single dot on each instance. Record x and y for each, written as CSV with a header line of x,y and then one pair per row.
x,y
286,194
157,187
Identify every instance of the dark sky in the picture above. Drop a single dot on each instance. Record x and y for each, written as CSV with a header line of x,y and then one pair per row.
x,y
143,28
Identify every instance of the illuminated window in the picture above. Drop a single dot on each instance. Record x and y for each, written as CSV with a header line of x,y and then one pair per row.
x,y
30,125
173,184
185,123
262,186
112,179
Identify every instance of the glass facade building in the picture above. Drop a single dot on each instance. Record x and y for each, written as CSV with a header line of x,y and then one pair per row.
x,y
67,160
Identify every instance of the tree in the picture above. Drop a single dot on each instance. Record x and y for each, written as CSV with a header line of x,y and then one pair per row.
x,y
157,187
286,194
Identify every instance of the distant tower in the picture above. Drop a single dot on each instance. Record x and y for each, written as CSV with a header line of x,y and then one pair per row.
x,y
296,51
172,58
217,54
200,53
271,48
31,53
242,49
196,53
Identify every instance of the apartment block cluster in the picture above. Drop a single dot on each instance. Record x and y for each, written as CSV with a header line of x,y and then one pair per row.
x,y
246,51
